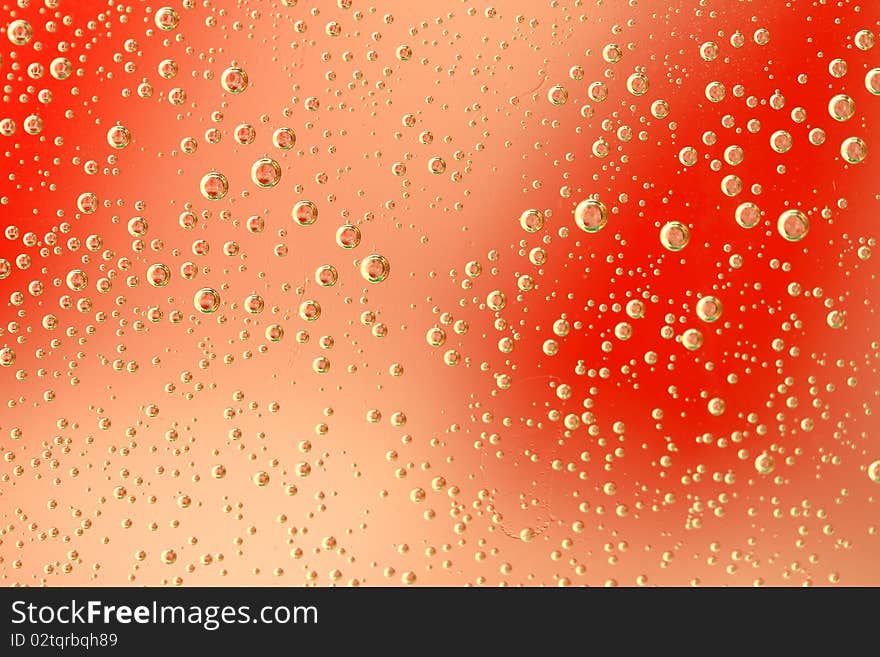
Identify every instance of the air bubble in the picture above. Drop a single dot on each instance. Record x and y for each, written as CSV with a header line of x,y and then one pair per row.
x,y
591,215
674,236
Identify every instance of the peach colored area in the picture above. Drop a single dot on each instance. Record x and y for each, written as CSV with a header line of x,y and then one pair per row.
x,y
559,439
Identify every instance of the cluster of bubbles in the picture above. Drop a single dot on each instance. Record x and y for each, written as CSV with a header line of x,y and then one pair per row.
x,y
184,289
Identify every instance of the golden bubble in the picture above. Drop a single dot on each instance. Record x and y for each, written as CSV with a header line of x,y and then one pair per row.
x,y
765,463
375,268
531,221
284,139
266,172
348,236
207,300
214,186
158,275
748,215
304,213
234,80
118,136
166,18
692,339
853,150
310,310
841,107
709,309
274,333
19,32
793,225
496,300
674,236
637,84
557,95
7,357
591,215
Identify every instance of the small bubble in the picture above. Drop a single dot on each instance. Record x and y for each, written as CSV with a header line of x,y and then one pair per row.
x,y
637,84
841,107
436,165
765,463
234,80
274,332
853,150
708,309
660,109
635,309
612,53
60,68
158,275
715,92
87,203
375,268
692,339
872,81
118,136
284,139
19,32
709,51
688,156
254,304
557,95
836,319
716,406
245,134
348,236
591,215
326,275
7,357
207,300
623,331
837,68
167,19
304,213
781,141
864,39
731,185
531,221
214,186
733,155
793,225
266,172
435,336
674,236
597,91
496,300
748,215
310,310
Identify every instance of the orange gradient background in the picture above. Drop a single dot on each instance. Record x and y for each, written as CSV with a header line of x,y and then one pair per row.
x,y
447,475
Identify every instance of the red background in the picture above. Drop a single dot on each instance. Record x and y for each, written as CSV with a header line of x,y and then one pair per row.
x,y
649,488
